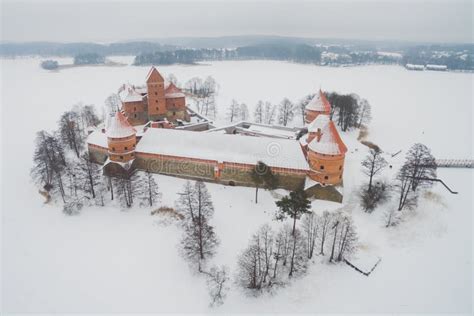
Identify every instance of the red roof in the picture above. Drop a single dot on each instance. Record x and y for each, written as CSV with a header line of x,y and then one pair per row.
x,y
319,103
119,127
154,76
173,91
329,141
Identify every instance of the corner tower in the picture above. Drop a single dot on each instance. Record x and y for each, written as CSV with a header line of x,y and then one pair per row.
x,y
155,95
326,151
121,139
318,105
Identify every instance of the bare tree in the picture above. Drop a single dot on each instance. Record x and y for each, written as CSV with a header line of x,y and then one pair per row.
x,y
269,113
148,189
89,173
373,164
244,112
310,229
199,239
301,107
186,203
365,114
285,112
217,280
324,229
258,114
112,104
233,111
298,258
416,172
171,78
126,190
255,262
71,132
344,238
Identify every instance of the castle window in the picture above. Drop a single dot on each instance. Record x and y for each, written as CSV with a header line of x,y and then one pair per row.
x,y
326,177
133,155
340,177
113,148
126,148
157,108
340,167
174,113
135,116
156,101
156,93
121,157
321,167
135,108
133,145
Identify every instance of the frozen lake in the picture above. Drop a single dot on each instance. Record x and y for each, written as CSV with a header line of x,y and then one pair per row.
x,y
435,108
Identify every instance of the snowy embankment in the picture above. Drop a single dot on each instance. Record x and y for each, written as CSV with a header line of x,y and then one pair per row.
x,y
108,260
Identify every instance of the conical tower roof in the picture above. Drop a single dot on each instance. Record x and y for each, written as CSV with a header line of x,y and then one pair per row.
x,y
328,141
119,127
319,103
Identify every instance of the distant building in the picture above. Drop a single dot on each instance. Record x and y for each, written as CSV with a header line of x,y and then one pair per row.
x,y
437,67
414,67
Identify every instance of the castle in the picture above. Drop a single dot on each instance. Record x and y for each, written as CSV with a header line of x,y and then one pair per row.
x,y
155,102
137,138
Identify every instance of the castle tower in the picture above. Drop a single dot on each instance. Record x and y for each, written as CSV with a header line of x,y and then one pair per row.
x,y
326,151
134,108
318,105
156,95
121,139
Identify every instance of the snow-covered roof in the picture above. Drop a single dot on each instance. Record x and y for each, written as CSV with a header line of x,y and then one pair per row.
x,y
154,74
133,96
274,152
319,103
328,142
320,121
173,91
97,138
119,127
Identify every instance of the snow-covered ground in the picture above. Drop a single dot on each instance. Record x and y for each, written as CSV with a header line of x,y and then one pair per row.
x,y
108,260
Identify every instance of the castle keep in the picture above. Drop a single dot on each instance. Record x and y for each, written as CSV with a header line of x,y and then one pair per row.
x,y
144,135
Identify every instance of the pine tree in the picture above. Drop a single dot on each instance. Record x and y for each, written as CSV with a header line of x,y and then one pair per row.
x,y
294,206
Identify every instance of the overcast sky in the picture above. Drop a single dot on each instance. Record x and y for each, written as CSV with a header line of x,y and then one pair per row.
x,y
108,21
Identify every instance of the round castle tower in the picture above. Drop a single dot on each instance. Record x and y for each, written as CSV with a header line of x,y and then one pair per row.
x,y
121,139
318,105
325,151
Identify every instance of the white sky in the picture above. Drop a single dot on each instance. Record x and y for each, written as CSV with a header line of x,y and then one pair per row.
x,y
107,21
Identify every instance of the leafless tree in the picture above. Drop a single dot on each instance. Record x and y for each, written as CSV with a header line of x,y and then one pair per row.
x,y
285,112
310,229
373,164
258,114
365,112
233,111
269,113
217,284
419,167
244,112
148,189
186,203
199,239
325,221
300,108
71,132
298,258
